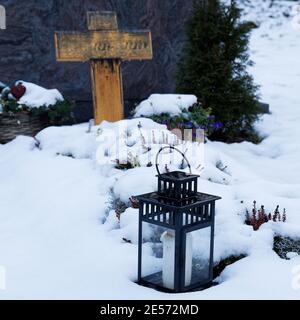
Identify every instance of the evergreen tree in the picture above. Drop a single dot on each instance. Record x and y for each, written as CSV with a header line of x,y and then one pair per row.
x,y
214,68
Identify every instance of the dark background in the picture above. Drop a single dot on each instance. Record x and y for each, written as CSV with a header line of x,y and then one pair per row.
x,y
27,46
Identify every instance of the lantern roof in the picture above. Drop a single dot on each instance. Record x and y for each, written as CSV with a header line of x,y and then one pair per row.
x,y
178,176
198,199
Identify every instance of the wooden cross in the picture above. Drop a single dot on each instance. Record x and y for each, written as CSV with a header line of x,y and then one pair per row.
x,y
105,46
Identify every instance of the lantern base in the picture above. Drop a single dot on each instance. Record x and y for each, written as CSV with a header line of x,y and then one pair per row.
x,y
154,281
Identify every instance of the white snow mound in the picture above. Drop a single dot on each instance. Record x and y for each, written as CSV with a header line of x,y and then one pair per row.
x,y
165,103
36,96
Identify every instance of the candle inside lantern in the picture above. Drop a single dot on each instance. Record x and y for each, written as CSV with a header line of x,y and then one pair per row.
x,y
168,270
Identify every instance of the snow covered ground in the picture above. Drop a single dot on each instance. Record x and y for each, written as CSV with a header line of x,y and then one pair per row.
x,y
60,239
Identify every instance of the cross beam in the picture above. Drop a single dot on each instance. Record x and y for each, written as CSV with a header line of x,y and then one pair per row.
x,y
105,46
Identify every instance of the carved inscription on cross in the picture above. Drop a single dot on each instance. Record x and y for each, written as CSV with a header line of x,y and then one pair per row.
x,y
105,46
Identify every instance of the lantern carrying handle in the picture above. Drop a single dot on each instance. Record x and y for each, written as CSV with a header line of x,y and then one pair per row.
x,y
172,148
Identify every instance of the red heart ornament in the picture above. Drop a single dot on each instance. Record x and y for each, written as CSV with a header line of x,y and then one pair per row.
x,y
18,91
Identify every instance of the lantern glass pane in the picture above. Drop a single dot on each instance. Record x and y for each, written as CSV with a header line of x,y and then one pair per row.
x,y
197,256
158,255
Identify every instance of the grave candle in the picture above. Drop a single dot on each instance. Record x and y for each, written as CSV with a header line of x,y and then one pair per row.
x,y
168,272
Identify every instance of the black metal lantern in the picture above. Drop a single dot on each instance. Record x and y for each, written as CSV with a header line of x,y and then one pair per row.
x,y
176,233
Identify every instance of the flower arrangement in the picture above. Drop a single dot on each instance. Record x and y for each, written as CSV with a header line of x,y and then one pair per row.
x,y
60,112
195,117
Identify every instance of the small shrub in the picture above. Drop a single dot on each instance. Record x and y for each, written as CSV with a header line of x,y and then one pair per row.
x,y
132,162
259,216
59,113
11,106
116,204
134,202
214,67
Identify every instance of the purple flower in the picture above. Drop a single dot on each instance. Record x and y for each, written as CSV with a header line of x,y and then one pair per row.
x,y
218,125
189,124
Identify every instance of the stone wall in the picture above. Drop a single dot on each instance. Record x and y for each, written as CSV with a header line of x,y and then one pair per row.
x,y
27,46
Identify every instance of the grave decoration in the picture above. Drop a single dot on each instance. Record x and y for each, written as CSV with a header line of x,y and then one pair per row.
x,y
26,109
181,221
